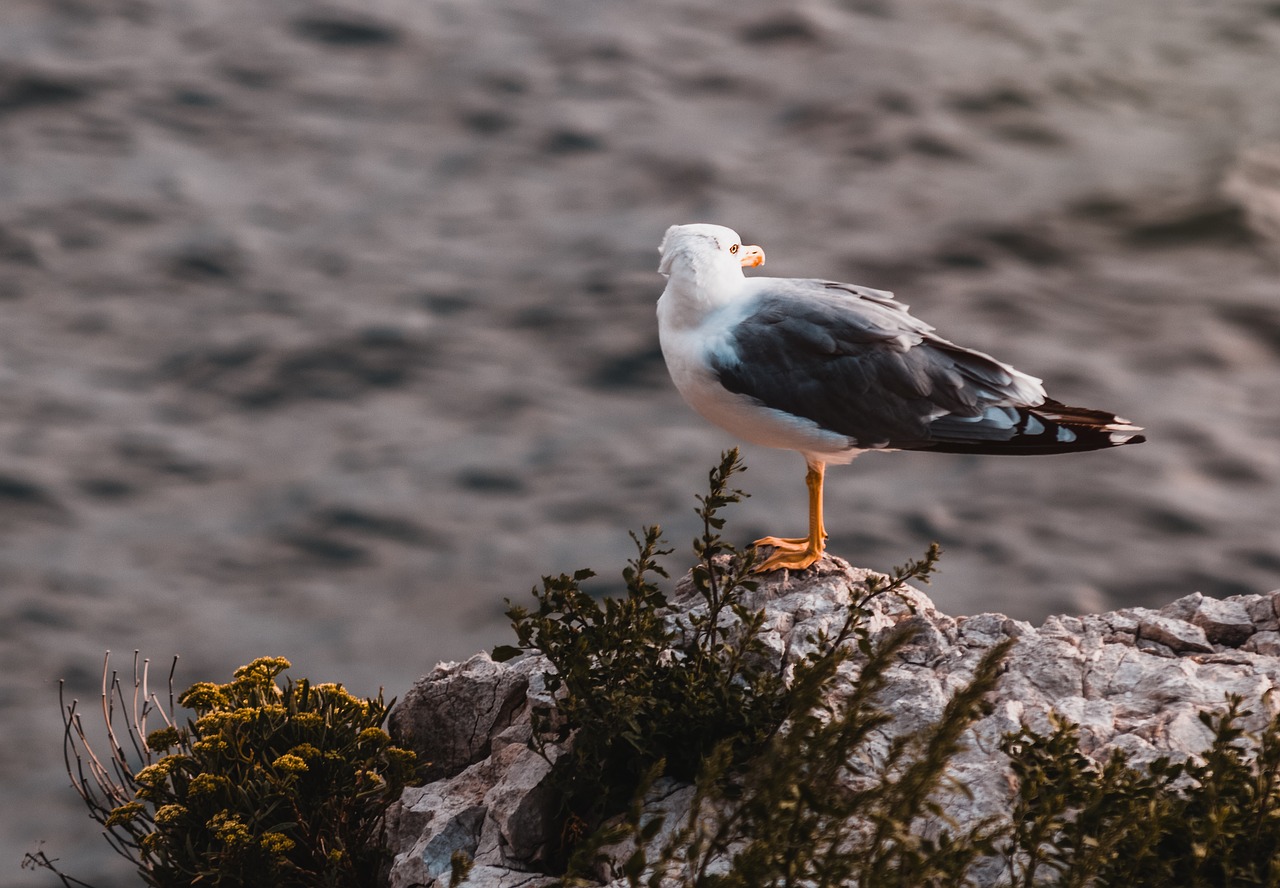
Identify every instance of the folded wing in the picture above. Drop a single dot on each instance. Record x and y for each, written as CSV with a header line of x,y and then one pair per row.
x,y
855,362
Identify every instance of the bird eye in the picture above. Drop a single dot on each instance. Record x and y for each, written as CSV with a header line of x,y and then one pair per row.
x,y
733,249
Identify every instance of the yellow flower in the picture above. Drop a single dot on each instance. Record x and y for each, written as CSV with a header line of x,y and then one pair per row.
x,y
152,781
305,751
229,829
204,695
211,723
308,720
153,774
336,693
163,739
290,764
375,736
207,784
403,757
276,843
124,813
244,715
170,814
378,781
268,667
210,747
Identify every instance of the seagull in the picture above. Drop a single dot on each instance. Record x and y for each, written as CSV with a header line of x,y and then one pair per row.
x,y
832,370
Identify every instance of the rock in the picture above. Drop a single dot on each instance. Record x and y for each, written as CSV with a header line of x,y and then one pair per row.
x,y
450,716
1264,642
519,823
1225,622
1262,610
1177,635
430,824
1135,680
498,812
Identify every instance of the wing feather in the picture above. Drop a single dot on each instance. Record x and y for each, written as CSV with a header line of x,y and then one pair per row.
x,y
854,361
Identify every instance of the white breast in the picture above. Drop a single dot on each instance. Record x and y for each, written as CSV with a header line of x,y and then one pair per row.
x,y
688,349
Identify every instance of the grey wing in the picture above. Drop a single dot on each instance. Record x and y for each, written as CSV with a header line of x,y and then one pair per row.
x,y
855,362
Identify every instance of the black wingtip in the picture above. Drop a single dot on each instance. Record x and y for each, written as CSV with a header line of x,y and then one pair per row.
x,y
1047,429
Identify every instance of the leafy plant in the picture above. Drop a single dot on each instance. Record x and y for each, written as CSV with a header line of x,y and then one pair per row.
x,y
811,809
637,686
645,692
808,811
788,790
1211,820
268,785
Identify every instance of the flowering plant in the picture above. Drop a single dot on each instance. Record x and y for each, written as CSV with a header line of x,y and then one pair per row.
x,y
269,784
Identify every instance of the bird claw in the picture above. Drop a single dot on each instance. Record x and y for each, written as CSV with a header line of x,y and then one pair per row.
x,y
789,553
782,542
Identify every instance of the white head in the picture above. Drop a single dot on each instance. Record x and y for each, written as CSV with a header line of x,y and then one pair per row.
x,y
706,251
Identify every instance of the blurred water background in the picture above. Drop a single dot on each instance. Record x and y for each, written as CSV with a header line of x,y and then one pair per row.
x,y
325,327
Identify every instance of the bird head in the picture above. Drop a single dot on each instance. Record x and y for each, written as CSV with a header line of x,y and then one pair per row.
x,y
702,248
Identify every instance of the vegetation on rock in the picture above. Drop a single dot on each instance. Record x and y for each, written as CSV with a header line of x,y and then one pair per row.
x,y
798,776
1210,820
789,791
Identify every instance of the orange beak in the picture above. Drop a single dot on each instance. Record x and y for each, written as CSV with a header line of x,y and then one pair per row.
x,y
751,256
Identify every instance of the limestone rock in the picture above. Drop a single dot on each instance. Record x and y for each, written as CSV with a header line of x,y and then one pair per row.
x,y
1178,636
1264,642
1134,680
498,812
1225,622
450,717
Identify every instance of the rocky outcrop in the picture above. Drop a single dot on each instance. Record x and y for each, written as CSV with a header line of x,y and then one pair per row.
x,y
1135,679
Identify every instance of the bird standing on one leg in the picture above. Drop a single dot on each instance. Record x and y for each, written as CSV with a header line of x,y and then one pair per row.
x,y
831,370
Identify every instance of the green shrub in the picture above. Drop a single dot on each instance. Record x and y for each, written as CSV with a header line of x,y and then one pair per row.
x,y
645,693
808,811
638,687
1210,820
269,784
812,810
787,792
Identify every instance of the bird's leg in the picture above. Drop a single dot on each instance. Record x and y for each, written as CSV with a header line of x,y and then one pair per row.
x,y
797,554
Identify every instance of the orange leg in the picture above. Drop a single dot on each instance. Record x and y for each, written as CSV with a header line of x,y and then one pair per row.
x,y
793,553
